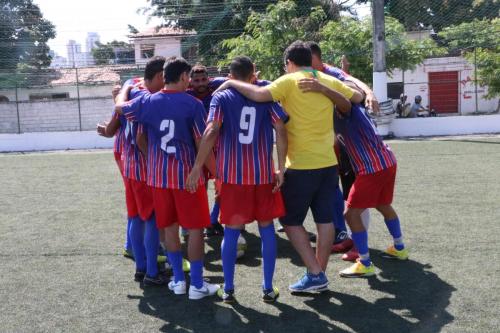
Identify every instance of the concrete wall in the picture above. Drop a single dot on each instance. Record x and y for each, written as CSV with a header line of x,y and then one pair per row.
x,y
436,126
416,82
85,91
51,116
166,47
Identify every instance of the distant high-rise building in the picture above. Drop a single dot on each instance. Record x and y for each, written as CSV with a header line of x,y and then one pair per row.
x,y
92,39
74,49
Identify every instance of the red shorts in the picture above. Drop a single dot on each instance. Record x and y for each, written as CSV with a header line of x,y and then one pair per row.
x,y
241,204
373,190
139,199
118,160
190,210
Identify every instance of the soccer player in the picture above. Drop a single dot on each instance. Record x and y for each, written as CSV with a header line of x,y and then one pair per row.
x,y
311,177
375,166
143,231
175,122
242,130
342,241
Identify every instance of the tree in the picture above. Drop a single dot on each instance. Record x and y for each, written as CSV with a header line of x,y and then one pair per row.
x,y
24,34
418,14
114,52
353,38
268,34
479,43
216,20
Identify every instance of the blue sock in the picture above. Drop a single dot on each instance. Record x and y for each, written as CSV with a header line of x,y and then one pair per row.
x,y
151,243
214,215
197,273
128,241
228,253
175,259
137,239
268,239
394,227
338,207
360,240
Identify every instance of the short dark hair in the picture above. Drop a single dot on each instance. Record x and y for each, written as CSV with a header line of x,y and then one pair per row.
x,y
315,49
174,67
153,67
241,67
299,53
199,69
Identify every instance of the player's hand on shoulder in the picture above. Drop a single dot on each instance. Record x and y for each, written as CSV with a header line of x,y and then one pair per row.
x,y
224,86
310,85
372,103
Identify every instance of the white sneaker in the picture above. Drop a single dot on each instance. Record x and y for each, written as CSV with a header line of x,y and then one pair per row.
x,y
207,289
178,288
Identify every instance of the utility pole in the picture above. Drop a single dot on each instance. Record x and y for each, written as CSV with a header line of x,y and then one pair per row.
x,y
379,67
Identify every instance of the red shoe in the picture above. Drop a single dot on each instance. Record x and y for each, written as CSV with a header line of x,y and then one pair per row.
x,y
343,246
352,255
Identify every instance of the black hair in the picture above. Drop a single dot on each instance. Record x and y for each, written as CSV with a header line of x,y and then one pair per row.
x,y
153,67
241,67
299,53
315,49
199,69
174,67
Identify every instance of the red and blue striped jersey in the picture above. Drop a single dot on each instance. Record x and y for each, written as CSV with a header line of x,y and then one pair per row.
x,y
366,150
120,134
335,72
245,142
134,162
206,98
173,121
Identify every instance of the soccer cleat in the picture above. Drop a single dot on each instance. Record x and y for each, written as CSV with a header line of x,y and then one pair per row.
x,y
310,282
340,236
226,296
343,246
179,288
158,280
392,253
207,289
242,247
161,259
128,254
270,295
215,229
139,276
358,270
186,266
351,255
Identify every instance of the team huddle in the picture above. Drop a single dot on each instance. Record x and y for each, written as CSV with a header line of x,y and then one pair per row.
x,y
175,129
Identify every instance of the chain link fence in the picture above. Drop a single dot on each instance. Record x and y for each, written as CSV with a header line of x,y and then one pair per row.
x,y
446,52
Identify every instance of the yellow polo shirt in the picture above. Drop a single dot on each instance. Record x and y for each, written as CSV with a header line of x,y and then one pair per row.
x,y
310,128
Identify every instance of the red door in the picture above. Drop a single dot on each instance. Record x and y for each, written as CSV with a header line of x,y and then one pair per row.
x,y
443,92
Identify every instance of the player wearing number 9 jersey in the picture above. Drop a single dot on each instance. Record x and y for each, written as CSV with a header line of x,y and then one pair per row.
x,y
174,122
243,130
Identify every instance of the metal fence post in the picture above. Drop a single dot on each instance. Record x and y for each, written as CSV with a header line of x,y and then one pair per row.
x,y
475,79
17,110
78,96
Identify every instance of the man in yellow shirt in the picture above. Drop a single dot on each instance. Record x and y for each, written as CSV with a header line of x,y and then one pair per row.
x,y
311,176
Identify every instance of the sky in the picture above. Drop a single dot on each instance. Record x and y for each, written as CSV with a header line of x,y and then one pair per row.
x,y
109,18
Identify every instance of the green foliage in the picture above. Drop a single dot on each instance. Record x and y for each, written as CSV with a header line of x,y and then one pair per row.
x,y
268,34
112,53
479,42
23,35
353,38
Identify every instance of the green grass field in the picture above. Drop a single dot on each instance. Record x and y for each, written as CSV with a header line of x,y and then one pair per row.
x,y
62,225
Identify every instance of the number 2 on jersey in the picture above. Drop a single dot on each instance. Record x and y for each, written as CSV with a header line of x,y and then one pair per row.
x,y
168,125
247,123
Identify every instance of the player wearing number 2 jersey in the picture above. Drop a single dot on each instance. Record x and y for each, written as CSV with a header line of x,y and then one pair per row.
x,y
243,130
174,122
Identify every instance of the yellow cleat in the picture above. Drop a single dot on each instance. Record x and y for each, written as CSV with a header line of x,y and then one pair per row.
x,y
186,266
358,270
392,253
161,259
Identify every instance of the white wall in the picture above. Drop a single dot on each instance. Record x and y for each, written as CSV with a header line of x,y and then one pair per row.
x,y
165,46
436,126
53,141
417,83
85,91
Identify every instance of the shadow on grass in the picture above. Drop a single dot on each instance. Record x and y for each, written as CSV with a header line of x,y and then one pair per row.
x,y
416,300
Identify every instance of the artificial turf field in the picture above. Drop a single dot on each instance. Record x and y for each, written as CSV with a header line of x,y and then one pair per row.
x,y
62,225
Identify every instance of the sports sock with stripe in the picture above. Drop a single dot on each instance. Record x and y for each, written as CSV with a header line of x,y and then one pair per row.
x,y
175,259
268,239
228,253
394,227
197,273
360,240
